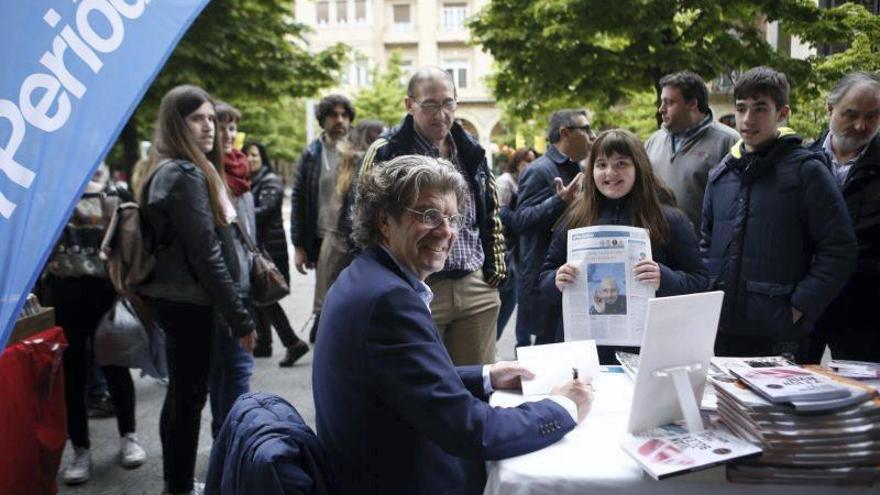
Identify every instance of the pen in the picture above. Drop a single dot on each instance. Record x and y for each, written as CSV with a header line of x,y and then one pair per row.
x,y
574,373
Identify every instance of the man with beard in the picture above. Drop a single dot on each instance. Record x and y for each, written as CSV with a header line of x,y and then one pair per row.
x,y
315,202
689,143
853,147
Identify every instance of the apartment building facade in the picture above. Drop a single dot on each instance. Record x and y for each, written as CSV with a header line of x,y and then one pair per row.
x,y
423,32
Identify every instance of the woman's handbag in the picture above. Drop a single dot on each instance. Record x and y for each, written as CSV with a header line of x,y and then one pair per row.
x,y
267,284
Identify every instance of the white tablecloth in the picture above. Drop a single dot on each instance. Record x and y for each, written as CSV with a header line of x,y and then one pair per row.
x,y
589,460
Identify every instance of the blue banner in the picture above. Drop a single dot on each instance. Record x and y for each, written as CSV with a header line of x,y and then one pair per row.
x,y
73,73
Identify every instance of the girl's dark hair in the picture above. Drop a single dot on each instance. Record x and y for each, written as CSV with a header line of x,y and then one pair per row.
x,y
645,209
174,140
518,157
264,156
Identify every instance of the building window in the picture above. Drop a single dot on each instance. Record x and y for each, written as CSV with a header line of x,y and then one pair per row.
x,y
362,76
360,11
342,11
458,70
453,16
401,14
322,12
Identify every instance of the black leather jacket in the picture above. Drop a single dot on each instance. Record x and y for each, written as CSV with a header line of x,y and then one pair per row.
x,y
190,262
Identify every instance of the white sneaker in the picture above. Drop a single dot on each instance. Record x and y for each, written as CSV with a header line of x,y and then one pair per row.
x,y
131,454
198,488
80,467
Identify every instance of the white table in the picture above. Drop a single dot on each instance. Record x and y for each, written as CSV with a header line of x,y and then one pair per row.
x,y
589,460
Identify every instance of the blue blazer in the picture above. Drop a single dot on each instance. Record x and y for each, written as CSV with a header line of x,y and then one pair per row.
x,y
393,412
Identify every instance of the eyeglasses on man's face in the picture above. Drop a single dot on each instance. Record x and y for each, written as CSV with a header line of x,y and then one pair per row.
x,y
433,218
585,128
432,107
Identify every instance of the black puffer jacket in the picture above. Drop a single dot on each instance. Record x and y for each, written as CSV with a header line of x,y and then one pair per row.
x,y
854,307
268,197
190,263
775,235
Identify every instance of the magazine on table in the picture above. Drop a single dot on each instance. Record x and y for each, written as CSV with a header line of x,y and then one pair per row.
x,y
606,303
789,384
671,449
761,381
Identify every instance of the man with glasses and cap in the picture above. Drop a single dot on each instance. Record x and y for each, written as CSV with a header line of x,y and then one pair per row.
x,y
466,302
547,186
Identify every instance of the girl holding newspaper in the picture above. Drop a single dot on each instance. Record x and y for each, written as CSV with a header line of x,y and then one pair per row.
x,y
620,188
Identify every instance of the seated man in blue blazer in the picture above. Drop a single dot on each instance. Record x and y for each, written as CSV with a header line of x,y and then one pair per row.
x,y
393,412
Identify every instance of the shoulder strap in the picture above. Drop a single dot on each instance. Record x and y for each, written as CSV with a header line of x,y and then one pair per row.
x,y
370,156
148,180
247,238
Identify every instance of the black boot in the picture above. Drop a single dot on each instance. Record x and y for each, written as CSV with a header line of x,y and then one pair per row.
x,y
313,334
294,352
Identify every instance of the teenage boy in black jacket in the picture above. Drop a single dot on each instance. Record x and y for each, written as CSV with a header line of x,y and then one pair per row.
x,y
776,235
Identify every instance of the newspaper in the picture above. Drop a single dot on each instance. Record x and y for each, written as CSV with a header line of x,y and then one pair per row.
x,y
606,303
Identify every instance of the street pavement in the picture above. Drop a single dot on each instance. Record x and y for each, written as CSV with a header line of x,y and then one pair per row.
x,y
294,384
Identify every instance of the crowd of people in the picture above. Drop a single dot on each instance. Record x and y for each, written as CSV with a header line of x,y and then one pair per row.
x,y
410,229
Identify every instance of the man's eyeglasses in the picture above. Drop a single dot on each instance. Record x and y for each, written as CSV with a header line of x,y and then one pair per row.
x,y
432,107
586,128
432,218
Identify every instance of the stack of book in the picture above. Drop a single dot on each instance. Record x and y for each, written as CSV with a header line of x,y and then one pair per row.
x,y
813,426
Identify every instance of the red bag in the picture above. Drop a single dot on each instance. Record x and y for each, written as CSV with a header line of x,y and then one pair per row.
x,y
33,428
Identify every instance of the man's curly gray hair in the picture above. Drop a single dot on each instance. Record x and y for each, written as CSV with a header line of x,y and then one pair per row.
x,y
395,185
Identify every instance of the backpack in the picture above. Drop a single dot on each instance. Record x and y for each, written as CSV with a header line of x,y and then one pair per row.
x,y
125,249
129,262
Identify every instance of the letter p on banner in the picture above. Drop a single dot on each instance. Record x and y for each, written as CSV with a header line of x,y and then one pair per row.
x,y
73,73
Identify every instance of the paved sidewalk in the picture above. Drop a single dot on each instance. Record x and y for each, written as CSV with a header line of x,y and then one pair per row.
x,y
294,384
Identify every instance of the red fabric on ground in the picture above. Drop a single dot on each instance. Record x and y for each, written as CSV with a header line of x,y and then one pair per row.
x,y
33,429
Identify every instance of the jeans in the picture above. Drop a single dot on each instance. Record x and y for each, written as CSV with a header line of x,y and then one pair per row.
x,y
189,329
231,371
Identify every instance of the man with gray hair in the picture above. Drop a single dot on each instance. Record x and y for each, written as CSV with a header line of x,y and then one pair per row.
x,y
383,380
546,188
466,302
689,142
853,147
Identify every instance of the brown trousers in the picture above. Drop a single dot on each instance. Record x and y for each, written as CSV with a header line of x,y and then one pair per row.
x,y
465,311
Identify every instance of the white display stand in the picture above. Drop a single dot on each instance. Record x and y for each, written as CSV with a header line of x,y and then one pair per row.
x,y
685,393
678,343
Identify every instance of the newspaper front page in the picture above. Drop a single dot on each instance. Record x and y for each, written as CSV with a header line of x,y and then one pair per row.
x,y
606,303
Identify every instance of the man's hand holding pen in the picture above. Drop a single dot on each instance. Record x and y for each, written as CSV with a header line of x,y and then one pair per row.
x,y
580,391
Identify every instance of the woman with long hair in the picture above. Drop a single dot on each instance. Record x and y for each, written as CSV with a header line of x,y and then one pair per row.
x,y
187,210
268,198
619,188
